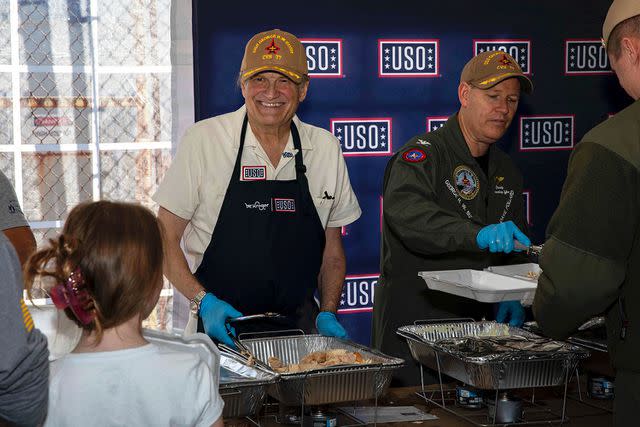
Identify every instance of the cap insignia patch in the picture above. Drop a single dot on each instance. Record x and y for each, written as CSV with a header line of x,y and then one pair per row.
x,y
507,62
272,48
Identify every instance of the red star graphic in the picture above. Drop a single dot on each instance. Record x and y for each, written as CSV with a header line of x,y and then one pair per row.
x,y
272,48
505,60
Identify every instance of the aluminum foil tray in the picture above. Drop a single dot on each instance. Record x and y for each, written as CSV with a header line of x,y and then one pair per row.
x,y
428,344
592,335
328,385
243,388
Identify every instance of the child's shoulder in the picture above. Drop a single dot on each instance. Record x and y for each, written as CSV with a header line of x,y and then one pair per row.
x,y
168,355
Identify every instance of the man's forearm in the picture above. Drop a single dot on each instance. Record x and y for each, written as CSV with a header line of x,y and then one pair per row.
x,y
176,269
332,271
175,266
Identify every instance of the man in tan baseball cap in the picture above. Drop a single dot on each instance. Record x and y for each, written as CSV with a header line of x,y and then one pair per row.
x,y
260,198
591,260
452,199
489,92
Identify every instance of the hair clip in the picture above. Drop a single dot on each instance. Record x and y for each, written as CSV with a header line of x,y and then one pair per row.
x,y
72,293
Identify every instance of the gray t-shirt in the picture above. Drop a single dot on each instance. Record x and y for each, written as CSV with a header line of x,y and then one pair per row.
x,y
10,212
24,358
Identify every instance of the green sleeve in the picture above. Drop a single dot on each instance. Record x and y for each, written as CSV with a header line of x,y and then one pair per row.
x,y
589,238
414,213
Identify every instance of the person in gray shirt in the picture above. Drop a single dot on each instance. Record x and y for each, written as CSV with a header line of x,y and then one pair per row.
x,y
13,223
24,358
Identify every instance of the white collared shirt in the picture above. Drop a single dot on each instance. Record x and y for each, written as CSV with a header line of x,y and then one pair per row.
x,y
196,183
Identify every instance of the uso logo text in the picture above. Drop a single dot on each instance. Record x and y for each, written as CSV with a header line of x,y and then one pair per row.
x,y
324,57
585,57
408,58
357,294
363,136
254,173
553,132
284,205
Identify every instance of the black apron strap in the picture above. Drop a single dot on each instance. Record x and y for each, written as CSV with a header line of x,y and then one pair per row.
x,y
236,168
301,171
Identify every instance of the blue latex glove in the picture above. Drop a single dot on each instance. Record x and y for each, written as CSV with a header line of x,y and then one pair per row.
x,y
512,310
499,237
329,326
214,314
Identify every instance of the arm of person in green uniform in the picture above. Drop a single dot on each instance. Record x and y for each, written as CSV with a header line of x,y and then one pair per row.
x,y
330,281
589,238
414,213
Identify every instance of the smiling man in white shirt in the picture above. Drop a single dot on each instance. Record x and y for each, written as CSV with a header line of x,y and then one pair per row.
x,y
260,198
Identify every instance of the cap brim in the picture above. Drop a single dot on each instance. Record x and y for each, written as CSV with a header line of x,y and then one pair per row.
x,y
526,85
290,74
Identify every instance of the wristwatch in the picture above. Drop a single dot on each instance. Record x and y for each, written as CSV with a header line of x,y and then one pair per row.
x,y
194,304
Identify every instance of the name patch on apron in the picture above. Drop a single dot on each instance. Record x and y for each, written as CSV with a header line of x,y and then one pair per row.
x,y
254,173
284,205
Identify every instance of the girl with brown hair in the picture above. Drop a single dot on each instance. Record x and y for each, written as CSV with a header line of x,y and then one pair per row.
x,y
105,271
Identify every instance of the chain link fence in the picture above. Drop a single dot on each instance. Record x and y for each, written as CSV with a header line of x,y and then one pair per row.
x,y
92,82
5,34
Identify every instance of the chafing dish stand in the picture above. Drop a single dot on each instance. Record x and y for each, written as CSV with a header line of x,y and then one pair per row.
x,y
533,413
321,387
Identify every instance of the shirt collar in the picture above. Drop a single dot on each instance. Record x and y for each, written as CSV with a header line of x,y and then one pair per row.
x,y
251,140
456,138
459,143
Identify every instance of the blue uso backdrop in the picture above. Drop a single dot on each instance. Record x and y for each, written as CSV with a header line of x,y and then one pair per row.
x,y
383,72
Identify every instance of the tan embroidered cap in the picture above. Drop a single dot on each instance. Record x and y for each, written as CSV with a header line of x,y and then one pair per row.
x,y
487,69
274,50
619,11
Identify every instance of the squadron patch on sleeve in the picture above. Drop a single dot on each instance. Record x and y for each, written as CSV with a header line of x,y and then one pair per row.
x,y
414,155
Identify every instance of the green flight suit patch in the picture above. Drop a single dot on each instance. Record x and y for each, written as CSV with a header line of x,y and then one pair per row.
x,y
467,182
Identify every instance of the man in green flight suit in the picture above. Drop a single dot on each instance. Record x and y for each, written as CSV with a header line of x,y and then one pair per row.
x,y
452,200
591,259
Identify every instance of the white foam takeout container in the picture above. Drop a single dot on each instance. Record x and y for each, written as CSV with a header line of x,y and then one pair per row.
x,y
483,286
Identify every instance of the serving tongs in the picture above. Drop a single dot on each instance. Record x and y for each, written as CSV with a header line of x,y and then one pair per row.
x,y
529,250
267,315
241,349
243,352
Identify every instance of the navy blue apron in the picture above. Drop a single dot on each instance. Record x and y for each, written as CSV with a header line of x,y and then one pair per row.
x,y
266,249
